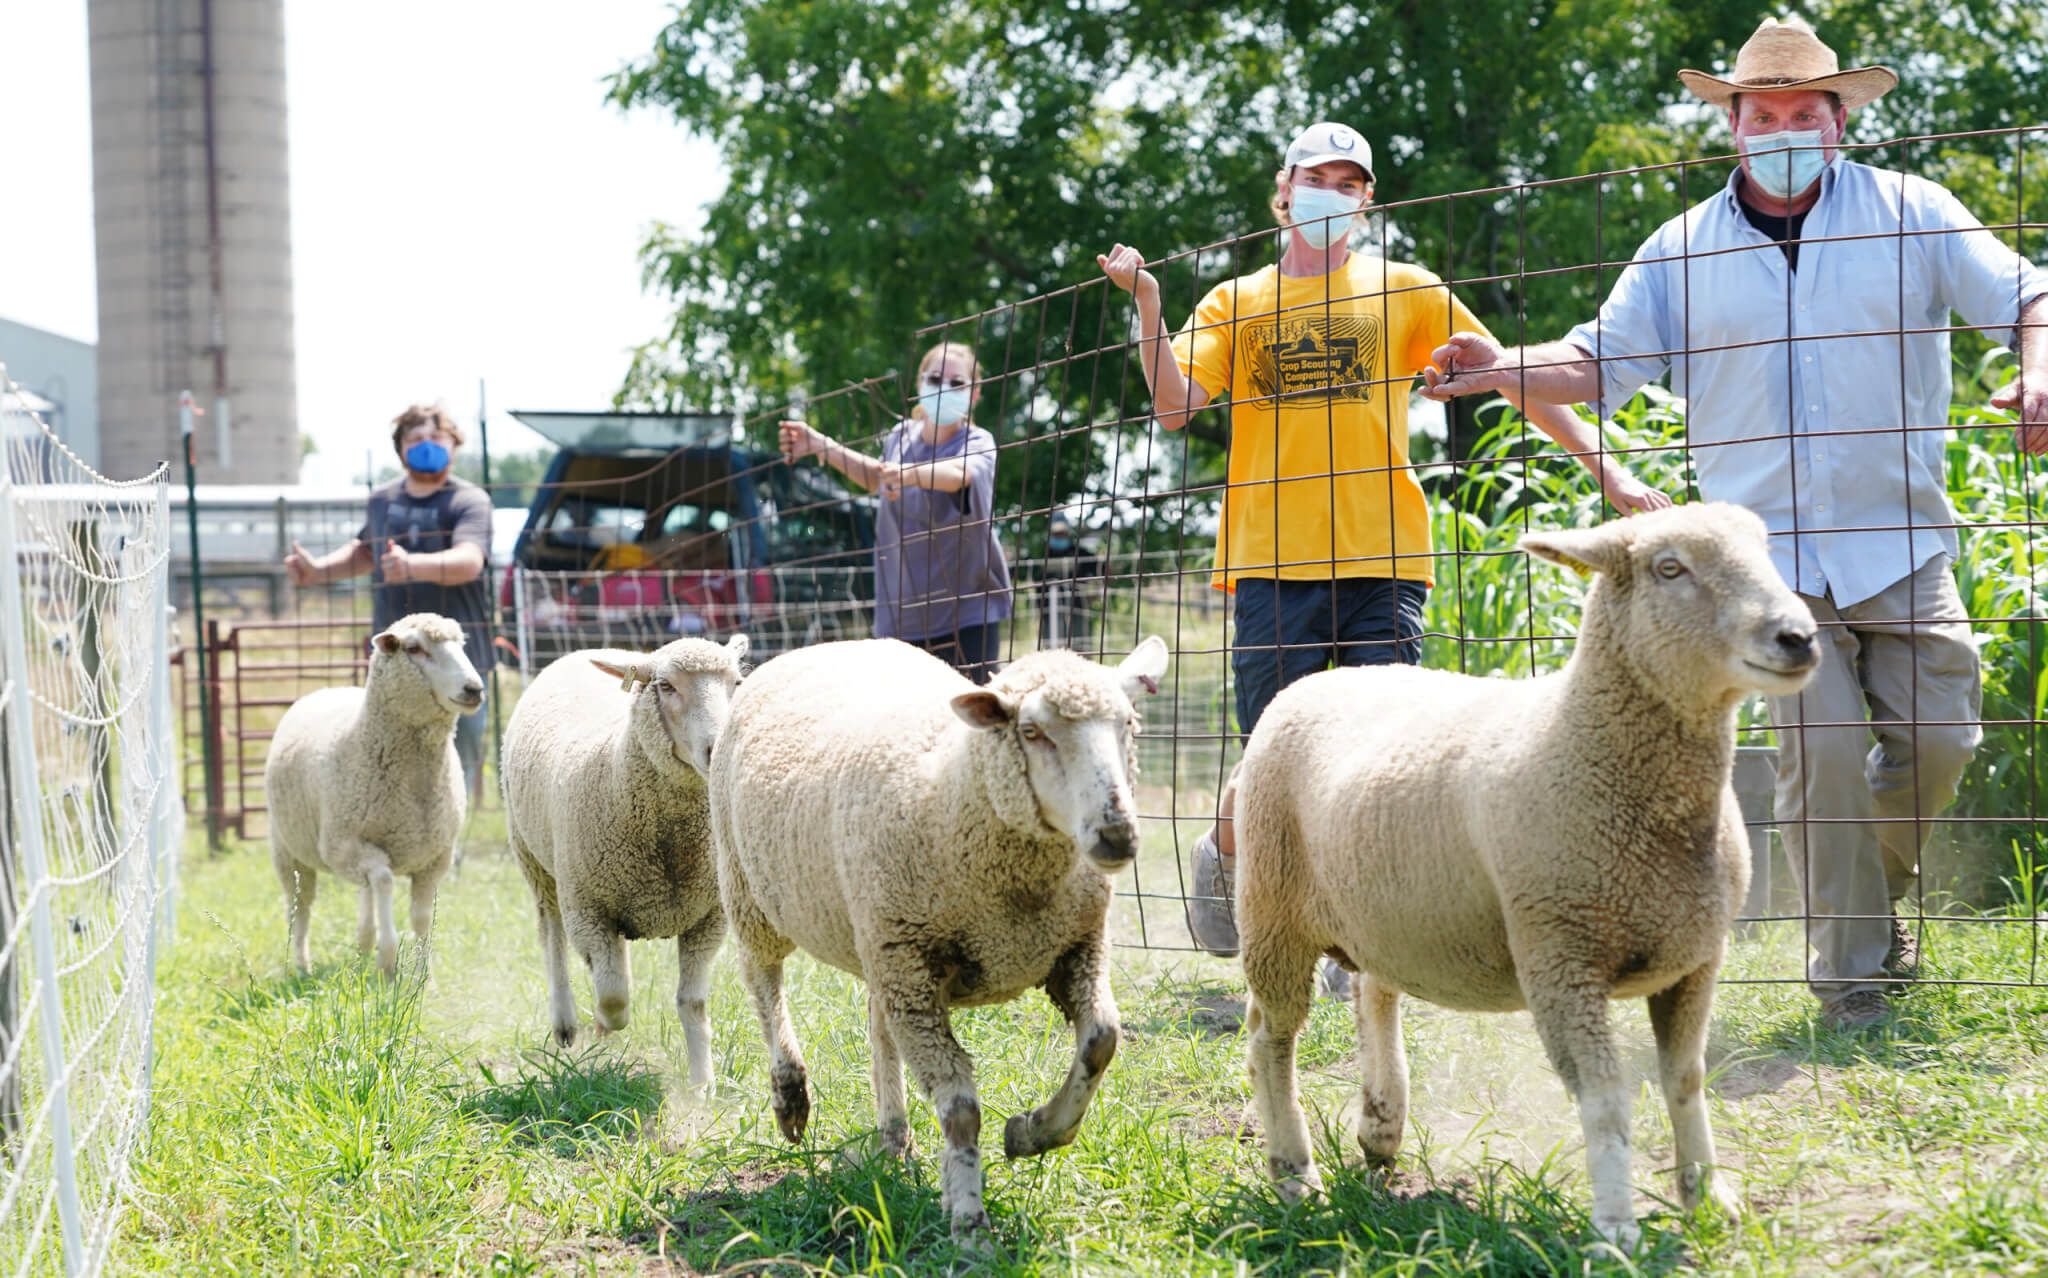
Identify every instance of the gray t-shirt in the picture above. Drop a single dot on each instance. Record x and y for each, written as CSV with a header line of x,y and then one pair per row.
x,y
938,566
456,514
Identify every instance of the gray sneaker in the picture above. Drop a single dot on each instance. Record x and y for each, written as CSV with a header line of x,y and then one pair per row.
x,y
1212,909
1336,981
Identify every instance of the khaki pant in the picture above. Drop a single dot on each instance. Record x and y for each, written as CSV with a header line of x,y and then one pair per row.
x,y
1853,818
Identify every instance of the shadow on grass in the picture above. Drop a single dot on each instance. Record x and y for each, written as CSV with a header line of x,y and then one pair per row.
x,y
1503,1222
803,1211
1925,1025
563,1103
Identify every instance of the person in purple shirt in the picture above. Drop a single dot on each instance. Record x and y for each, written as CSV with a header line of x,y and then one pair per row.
x,y
941,582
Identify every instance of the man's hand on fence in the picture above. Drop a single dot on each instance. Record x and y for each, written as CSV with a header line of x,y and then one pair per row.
x,y
889,480
298,565
1630,495
2032,431
397,564
1470,364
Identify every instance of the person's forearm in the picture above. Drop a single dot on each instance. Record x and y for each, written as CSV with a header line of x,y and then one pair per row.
x,y
2032,346
1553,373
858,467
457,566
1569,432
352,560
940,476
1171,391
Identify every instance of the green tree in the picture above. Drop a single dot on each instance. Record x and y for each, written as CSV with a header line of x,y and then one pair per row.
x,y
898,162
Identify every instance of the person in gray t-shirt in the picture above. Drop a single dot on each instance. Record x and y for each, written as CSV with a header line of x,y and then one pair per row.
x,y
426,545
940,578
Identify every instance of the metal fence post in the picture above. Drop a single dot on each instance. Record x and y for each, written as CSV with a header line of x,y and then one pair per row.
x,y
216,765
36,883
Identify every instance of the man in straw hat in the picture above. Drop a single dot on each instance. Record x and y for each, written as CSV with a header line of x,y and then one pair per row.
x,y
1803,313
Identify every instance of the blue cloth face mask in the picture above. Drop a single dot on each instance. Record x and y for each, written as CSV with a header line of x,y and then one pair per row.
x,y
427,457
1312,204
944,407
1778,169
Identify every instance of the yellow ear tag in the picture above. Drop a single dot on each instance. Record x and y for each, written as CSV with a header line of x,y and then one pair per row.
x,y
1577,565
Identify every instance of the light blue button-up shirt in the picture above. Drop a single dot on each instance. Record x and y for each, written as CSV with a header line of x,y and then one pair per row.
x,y
1798,383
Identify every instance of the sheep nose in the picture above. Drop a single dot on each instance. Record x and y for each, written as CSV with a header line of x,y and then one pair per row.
x,y
473,689
1799,646
1115,845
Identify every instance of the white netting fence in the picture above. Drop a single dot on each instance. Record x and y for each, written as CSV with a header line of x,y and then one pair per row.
x,y
88,844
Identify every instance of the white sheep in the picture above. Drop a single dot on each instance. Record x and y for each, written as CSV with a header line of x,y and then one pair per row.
x,y
946,843
364,783
1549,843
605,808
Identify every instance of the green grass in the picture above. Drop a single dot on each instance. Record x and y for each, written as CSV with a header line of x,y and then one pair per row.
x,y
334,1124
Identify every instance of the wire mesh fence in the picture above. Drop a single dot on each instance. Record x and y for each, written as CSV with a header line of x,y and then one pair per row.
x,y
89,840
1111,526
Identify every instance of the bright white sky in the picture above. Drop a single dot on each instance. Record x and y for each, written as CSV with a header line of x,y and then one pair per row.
x,y
465,205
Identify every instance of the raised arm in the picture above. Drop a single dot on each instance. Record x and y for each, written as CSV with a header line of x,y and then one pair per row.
x,y
1174,396
308,569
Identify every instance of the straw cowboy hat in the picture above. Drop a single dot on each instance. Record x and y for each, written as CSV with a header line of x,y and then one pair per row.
x,y
1788,55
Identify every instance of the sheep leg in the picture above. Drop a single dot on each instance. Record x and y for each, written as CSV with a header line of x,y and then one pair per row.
x,y
554,944
892,1117
366,919
1678,1017
1572,1021
923,1031
1383,1070
1078,986
424,885
694,951
761,973
379,884
1280,973
611,968
300,882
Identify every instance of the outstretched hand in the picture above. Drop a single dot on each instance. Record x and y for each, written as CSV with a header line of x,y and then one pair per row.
x,y
799,440
1467,364
298,565
2032,407
1632,496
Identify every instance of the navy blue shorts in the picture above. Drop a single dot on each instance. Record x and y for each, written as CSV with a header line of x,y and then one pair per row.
x,y
1287,629
972,650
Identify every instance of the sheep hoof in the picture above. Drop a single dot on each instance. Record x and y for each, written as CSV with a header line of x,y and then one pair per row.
x,y
1017,1139
565,1035
1296,1186
1624,1233
973,1233
792,1107
1716,1201
613,1015
896,1140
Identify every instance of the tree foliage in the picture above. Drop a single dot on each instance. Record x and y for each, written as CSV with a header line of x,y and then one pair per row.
x,y
894,163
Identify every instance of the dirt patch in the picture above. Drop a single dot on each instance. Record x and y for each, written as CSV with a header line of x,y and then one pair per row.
x,y
1216,1015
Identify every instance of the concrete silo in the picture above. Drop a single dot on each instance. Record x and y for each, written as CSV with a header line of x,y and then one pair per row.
x,y
192,214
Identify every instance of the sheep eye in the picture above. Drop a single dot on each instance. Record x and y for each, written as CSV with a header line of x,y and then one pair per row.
x,y
1670,569
1032,732
414,649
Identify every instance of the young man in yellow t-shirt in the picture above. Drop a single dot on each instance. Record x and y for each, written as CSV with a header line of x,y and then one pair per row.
x,y
1325,533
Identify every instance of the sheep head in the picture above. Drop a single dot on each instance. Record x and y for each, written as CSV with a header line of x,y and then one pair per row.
x,y
425,650
682,696
1689,598
1072,725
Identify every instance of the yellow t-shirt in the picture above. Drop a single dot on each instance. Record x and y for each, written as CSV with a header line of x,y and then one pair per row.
x,y
1318,372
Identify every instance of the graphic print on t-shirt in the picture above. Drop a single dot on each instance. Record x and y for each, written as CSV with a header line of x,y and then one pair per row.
x,y
1312,358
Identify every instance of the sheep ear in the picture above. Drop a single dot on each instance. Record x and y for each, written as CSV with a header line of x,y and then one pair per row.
x,y
626,675
737,646
983,709
387,642
1140,672
1583,550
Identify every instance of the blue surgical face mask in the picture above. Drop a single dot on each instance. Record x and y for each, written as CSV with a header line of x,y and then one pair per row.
x,y
945,406
1312,204
427,457
1779,170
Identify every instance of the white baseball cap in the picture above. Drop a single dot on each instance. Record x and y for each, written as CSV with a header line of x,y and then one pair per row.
x,y
1323,142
